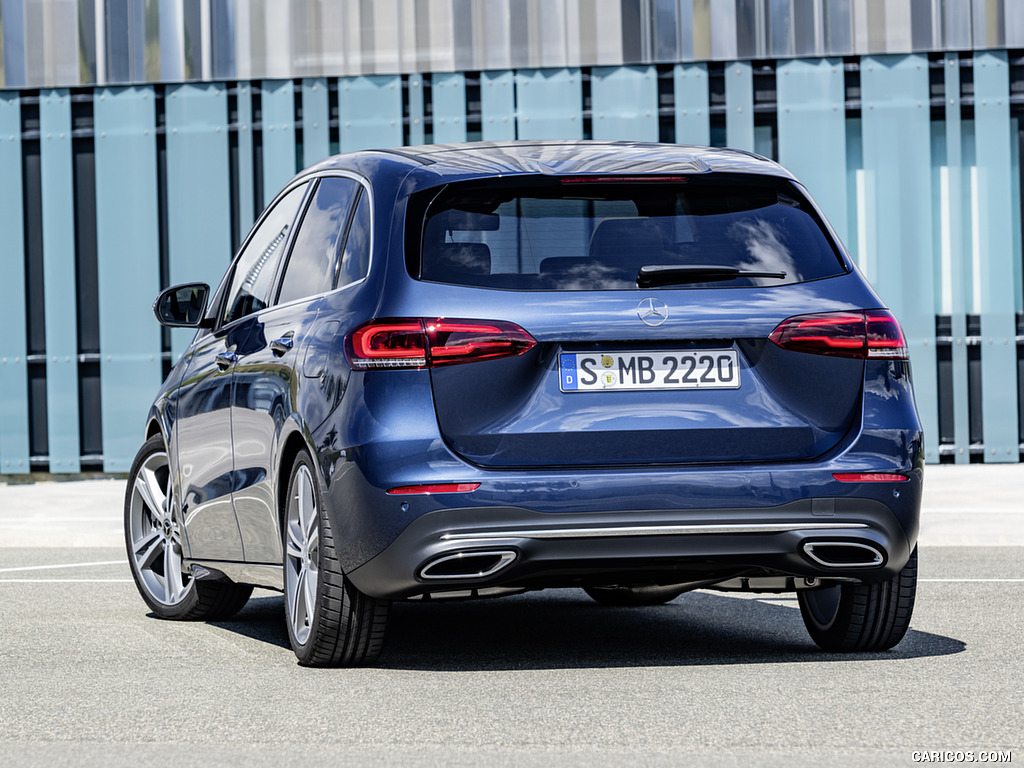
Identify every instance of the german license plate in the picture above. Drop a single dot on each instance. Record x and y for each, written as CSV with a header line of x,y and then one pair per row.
x,y
694,369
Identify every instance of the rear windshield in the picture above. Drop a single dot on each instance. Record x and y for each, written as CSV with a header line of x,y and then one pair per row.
x,y
578,234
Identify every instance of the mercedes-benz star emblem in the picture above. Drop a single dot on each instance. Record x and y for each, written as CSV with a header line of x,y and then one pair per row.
x,y
652,312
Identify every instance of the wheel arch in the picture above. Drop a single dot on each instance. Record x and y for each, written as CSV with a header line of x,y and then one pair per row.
x,y
293,443
153,428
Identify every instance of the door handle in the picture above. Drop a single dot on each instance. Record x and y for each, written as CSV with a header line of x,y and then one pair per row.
x,y
283,344
226,359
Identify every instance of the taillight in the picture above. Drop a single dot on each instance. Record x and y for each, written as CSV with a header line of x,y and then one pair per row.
x,y
424,343
869,334
388,344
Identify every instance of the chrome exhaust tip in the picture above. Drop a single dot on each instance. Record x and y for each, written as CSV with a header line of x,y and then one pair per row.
x,y
468,565
843,554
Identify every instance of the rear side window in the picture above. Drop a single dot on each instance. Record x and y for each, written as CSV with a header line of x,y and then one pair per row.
x,y
577,234
314,257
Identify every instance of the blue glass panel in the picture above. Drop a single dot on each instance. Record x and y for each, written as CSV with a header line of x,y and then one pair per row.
x,y
1018,245
625,103
763,144
449,97
12,14
812,131
690,82
995,238
739,105
953,216
128,237
550,104
498,105
416,132
59,280
898,219
277,101
246,181
316,134
855,213
198,215
13,368
370,111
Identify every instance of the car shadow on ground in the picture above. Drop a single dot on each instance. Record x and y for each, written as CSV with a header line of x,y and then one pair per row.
x,y
564,629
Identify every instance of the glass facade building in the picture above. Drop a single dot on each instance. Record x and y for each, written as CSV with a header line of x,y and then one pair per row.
x,y
139,140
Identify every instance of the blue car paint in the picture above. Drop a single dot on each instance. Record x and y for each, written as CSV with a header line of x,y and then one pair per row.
x,y
375,430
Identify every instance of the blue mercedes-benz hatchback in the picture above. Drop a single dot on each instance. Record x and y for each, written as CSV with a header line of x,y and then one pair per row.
x,y
465,371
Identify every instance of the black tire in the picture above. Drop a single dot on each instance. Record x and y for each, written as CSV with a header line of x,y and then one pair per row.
x,y
330,622
622,596
861,617
152,538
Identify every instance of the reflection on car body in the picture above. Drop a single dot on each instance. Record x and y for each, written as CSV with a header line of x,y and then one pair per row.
x,y
462,371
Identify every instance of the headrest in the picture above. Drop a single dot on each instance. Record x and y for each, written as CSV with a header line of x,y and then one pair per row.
x,y
633,237
458,258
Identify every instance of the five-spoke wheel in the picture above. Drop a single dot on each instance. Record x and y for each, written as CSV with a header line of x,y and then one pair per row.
x,y
330,622
154,539
302,555
154,542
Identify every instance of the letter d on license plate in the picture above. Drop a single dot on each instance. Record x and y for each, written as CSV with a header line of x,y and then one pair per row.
x,y
663,369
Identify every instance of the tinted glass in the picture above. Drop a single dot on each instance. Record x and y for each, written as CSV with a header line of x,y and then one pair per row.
x,y
355,262
567,235
314,255
253,278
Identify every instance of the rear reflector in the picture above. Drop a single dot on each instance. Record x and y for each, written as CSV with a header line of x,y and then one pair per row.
x,y
425,343
866,334
434,488
869,477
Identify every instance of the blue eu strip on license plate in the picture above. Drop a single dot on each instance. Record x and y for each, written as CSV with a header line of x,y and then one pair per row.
x,y
662,369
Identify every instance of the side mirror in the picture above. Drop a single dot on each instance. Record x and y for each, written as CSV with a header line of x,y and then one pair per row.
x,y
182,306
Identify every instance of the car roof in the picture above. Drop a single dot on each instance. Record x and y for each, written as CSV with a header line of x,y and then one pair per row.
x,y
437,163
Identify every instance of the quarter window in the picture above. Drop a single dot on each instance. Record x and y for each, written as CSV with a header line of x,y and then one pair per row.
x,y
355,262
253,278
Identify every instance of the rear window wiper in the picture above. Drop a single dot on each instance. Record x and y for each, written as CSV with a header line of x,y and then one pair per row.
x,y
657,274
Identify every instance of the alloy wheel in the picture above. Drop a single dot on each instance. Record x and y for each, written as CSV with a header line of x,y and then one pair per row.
x,y
302,554
154,534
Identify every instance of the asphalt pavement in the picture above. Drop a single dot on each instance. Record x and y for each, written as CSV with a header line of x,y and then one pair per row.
x,y
88,677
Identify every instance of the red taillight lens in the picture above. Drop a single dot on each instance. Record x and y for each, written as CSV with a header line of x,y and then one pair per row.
x,y
871,334
458,341
422,343
869,477
885,337
388,344
406,490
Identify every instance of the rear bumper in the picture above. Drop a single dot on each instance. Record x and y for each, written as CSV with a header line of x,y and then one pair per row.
x,y
476,550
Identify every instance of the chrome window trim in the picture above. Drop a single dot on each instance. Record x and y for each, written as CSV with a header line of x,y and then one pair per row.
x,y
220,296
368,191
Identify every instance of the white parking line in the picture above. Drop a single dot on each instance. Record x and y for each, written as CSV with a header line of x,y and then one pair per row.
x,y
62,565
962,581
65,581
65,519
